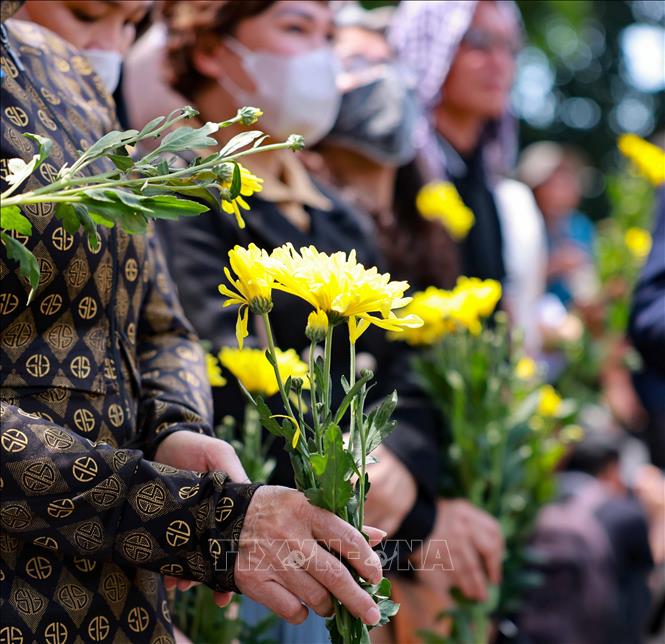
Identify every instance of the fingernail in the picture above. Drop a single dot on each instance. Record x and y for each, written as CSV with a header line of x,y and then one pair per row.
x,y
372,616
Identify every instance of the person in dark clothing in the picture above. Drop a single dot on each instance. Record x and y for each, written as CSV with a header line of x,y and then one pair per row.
x,y
647,333
102,359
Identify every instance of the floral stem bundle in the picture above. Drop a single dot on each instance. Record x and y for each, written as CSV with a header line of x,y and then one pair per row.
x,y
132,190
329,467
503,433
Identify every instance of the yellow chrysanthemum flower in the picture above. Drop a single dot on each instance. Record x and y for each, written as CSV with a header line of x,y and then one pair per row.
x,y
214,372
549,401
484,294
249,184
256,374
638,241
253,285
649,159
431,306
342,288
441,202
526,368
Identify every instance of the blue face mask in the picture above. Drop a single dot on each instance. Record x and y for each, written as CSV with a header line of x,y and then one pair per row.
x,y
377,118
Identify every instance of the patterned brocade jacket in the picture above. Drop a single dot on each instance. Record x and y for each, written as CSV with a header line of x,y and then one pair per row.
x,y
98,369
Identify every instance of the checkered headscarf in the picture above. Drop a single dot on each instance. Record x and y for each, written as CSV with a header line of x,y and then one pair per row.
x,y
425,35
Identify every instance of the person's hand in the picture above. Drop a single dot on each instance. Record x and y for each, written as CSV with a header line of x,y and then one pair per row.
x,y
566,259
200,453
190,451
470,541
282,564
392,492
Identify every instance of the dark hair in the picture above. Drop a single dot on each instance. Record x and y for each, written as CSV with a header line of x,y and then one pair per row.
x,y
417,250
201,23
593,454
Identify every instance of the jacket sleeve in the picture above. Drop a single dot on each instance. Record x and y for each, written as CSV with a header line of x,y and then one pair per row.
x,y
175,393
647,319
65,493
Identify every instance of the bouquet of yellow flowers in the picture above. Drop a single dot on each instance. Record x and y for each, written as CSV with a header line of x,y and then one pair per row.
x,y
504,431
343,294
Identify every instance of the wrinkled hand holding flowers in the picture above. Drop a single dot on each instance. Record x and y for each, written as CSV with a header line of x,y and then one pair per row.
x,y
342,292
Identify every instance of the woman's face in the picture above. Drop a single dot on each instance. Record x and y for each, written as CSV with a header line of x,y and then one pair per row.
x,y
289,27
90,24
482,72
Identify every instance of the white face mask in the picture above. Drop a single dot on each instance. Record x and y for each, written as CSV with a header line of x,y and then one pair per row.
x,y
298,93
107,65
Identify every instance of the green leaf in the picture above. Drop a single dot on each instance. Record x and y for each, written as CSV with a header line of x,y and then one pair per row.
x,y
28,265
150,127
67,215
240,141
106,144
171,207
121,161
236,182
378,424
11,218
44,146
350,394
332,470
187,138
88,224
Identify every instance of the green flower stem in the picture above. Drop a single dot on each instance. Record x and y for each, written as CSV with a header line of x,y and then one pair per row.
x,y
327,389
352,382
66,190
312,390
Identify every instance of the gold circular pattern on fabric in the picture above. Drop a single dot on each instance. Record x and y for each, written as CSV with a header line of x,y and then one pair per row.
x,y
14,440
50,96
84,565
51,304
172,569
85,469
46,270
131,269
8,65
47,120
49,172
38,365
224,509
137,547
138,619
80,367
89,536
87,307
61,239
8,303
28,602
17,116
61,336
39,568
77,273
178,533
99,628
188,491
166,613
38,477
114,587
47,542
107,492
116,415
84,420
11,635
60,508
57,439
72,597
15,516
17,335
150,499
56,633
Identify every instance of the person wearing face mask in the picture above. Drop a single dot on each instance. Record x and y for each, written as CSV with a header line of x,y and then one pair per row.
x,y
102,30
221,56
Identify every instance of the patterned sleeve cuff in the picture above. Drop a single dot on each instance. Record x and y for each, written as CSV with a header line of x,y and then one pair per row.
x,y
224,537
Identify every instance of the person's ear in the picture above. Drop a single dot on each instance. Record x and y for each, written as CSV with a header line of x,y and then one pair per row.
x,y
212,63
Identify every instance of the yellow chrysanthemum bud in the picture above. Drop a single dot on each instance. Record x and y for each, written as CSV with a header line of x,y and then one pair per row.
x,y
572,434
638,241
317,326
